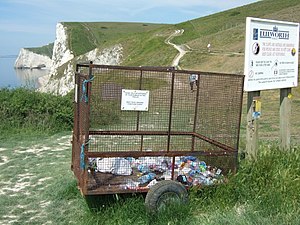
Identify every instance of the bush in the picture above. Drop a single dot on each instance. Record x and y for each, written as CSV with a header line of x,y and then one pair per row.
x,y
22,109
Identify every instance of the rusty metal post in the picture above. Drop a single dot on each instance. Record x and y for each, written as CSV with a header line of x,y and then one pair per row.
x,y
76,119
171,110
196,113
87,127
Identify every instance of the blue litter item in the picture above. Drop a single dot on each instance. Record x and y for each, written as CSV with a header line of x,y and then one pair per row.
x,y
146,178
202,166
191,158
143,168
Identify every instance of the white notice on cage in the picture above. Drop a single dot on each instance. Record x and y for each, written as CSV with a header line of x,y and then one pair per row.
x,y
135,100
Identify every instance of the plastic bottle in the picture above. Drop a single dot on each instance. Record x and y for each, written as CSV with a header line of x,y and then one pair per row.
x,y
202,166
143,168
146,178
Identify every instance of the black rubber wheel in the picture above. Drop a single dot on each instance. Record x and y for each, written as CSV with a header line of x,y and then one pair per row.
x,y
165,193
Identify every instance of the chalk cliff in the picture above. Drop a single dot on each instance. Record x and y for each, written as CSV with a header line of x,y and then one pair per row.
x,y
30,60
60,80
61,86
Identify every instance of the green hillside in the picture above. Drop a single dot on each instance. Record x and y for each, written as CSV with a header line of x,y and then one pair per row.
x,y
144,45
225,31
44,50
37,185
84,37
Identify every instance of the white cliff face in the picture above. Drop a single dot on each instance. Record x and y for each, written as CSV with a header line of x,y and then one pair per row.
x,y
57,86
108,56
63,60
62,86
61,55
61,51
29,59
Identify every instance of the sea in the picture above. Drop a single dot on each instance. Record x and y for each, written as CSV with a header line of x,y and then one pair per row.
x,y
14,78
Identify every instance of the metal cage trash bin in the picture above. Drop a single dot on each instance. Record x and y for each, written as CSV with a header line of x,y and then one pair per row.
x,y
137,125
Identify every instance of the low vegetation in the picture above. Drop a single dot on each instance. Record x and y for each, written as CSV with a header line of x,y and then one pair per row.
x,y
84,37
144,43
25,111
37,187
46,50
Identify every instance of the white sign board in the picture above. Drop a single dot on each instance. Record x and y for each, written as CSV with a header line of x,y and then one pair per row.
x,y
271,54
136,100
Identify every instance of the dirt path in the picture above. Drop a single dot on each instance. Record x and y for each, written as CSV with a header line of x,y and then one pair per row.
x,y
184,48
180,48
179,84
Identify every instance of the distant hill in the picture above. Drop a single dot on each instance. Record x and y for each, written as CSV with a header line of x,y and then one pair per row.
x,y
86,36
144,43
225,31
44,50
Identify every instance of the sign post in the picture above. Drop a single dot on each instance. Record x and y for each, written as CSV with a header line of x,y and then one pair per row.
x,y
253,113
271,62
285,118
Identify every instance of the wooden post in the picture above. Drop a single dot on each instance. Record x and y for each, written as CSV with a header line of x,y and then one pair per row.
x,y
285,117
252,127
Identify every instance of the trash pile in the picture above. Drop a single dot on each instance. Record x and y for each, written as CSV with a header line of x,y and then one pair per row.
x,y
195,172
147,171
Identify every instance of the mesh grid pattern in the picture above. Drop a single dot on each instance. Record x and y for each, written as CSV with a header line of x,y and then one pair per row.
x,y
212,109
219,108
106,100
181,119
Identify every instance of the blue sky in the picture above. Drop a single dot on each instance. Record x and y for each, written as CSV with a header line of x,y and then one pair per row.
x,y
31,23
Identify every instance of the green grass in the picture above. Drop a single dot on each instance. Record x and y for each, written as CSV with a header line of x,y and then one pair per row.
x,y
233,18
37,186
225,31
268,123
148,49
46,50
84,37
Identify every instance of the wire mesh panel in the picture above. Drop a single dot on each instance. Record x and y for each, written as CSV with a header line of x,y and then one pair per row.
x,y
219,108
132,117
106,111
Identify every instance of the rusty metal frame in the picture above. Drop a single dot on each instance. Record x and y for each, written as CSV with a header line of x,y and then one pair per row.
x,y
82,132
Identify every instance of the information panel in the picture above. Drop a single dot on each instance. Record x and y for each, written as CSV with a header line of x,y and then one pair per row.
x,y
271,54
136,100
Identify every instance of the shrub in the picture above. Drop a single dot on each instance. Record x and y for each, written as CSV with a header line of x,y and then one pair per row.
x,y
22,109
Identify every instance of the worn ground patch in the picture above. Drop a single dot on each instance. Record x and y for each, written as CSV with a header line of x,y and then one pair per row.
x,y
28,170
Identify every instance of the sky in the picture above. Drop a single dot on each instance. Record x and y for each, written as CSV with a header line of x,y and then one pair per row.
x,y
32,23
